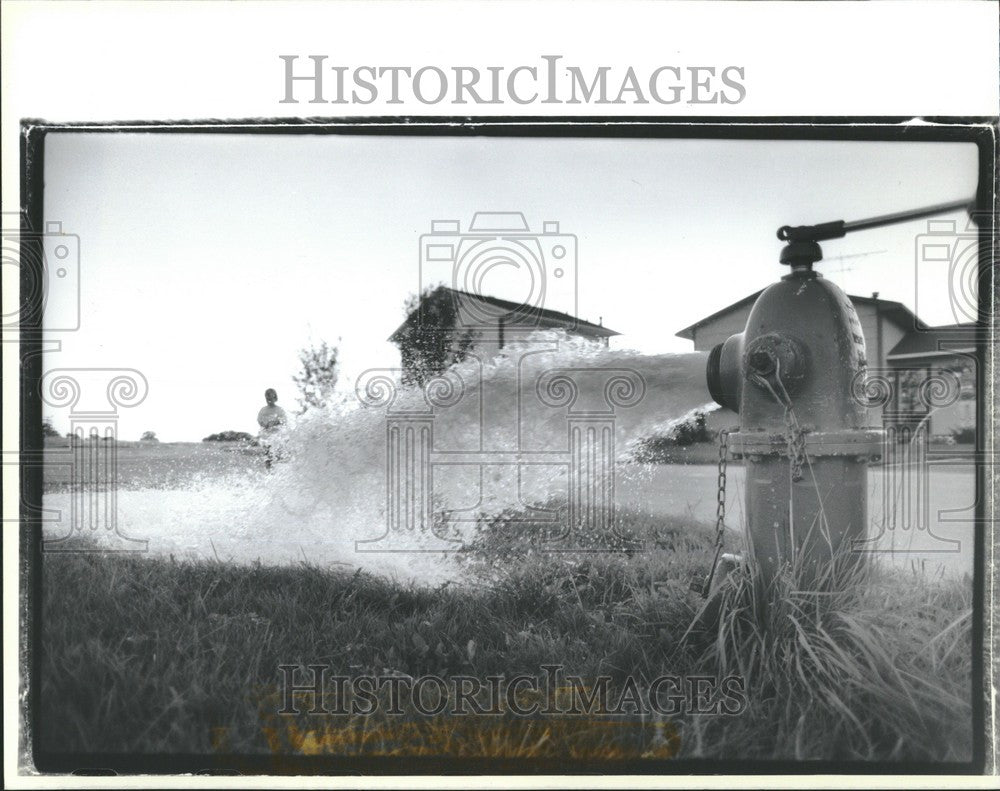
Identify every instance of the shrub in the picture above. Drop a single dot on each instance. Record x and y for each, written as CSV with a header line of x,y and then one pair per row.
x,y
654,449
965,434
513,538
231,436
691,431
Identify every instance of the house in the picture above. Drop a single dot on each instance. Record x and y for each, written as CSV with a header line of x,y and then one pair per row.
x,y
486,324
899,347
920,356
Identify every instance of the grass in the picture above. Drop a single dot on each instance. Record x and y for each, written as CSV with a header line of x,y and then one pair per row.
x,y
151,655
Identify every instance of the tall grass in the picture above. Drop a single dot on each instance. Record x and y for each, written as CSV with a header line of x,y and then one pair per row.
x,y
142,654
880,666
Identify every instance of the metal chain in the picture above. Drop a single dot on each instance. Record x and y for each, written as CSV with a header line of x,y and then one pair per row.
x,y
720,497
795,439
796,442
720,510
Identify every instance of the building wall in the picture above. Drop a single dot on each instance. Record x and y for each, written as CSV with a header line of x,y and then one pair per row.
x,y
485,342
892,334
716,331
869,316
912,372
489,339
959,415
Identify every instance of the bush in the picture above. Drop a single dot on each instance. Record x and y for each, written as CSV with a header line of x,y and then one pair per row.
x,y
965,434
691,431
231,436
654,449
513,534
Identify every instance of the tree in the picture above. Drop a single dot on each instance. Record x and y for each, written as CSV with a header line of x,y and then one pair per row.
x,y
48,430
317,376
430,340
149,436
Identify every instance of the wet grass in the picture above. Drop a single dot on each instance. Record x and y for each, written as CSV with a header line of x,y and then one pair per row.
x,y
151,655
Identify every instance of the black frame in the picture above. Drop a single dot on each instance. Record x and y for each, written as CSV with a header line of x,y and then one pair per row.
x,y
982,131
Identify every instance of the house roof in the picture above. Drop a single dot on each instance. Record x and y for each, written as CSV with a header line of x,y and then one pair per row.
x,y
932,341
891,309
551,318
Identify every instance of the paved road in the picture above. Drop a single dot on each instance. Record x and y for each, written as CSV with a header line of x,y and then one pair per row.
x,y
930,530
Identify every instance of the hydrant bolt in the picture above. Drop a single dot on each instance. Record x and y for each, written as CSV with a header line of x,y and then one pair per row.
x,y
761,362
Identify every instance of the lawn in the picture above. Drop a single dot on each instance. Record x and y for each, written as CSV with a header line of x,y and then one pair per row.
x,y
150,465
141,655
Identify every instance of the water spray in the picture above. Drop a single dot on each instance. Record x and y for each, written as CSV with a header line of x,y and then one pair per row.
x,y
792,377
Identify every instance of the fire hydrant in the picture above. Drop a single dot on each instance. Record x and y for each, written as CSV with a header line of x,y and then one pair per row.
x,y
791,376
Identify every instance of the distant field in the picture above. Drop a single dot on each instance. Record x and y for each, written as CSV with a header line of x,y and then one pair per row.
x,y
155,465
175,465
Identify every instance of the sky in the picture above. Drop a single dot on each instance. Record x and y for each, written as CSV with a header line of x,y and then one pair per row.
x,y
208,261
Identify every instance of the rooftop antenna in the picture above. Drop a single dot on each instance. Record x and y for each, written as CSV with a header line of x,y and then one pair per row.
x,y
840,270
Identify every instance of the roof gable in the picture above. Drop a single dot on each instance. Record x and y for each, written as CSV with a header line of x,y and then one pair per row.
x,y
896,311
930,341
547,319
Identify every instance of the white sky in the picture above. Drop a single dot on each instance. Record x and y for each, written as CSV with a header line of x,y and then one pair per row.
x,y
207,261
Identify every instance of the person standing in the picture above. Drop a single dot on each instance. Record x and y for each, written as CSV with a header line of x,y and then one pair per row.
x,y
272,420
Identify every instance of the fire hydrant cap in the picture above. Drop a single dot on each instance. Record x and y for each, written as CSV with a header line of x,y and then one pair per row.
x,y
801,254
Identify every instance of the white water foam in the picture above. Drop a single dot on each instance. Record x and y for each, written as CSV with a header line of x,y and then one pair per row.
x,y
326,502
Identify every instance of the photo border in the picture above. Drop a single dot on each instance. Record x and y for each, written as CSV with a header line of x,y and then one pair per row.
x,y
982,131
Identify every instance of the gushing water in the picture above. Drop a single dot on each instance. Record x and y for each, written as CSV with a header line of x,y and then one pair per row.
x,y
360,479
